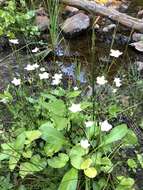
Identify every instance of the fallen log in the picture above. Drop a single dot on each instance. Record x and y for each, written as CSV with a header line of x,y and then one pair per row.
x,y
95,8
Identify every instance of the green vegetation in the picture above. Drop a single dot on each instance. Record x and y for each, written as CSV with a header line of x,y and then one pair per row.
x,y
57,136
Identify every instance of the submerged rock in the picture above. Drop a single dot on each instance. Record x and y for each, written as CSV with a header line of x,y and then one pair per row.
x,y
76,24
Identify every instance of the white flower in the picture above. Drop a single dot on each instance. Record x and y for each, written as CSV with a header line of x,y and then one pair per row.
x,y
117,82
35,66
114,90
75,88
16,81
101,80
14,41
4,100
89,123
42,69
56,82
57,79
105,126
36,49
31,67
44,75
84,143
57,76
115,53
1,131
75,108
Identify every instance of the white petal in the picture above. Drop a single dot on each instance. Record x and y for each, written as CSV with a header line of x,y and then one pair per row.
x,y
44,75
75,108
105,126
16,81
42,69
14,41
115,53
117,82
101,80
84,143
36,49
89,123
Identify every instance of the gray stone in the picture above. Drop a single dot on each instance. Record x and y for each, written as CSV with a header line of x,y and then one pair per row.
x,y
70,11
138,45
137,37
42,20
76,24
109,28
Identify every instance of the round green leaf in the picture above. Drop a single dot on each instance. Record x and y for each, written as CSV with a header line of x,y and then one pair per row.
x,y
76,154
58,161
90,172
86,163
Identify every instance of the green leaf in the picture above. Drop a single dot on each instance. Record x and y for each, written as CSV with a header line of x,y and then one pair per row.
x,y
130,139
140,159
85,105
14,158
76,154
86,163
106,165
36,164
57,107
114,110
125,182
131,163
54,139
33,135
58,161
60,122
69,181
58,92
116,134
27,154
73,94
3,156
90,172
20,141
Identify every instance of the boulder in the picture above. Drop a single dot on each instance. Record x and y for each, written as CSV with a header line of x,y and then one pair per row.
x,y
42,20
76,24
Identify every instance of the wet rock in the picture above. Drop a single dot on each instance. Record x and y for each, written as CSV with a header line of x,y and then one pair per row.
x,y
69,11
139,65
109,28
138,45
137,37
42,20
140,14
76,24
